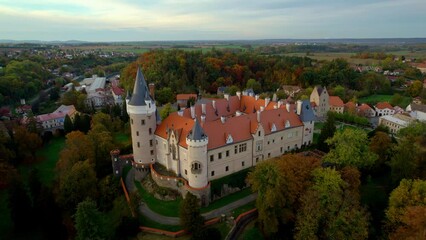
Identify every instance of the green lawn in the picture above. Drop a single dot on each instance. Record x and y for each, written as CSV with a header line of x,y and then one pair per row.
x,y
227,200
318,125
373,99
48,156
165,208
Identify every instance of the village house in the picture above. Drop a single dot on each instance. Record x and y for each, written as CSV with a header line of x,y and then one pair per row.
x,y
366,111
395,122
320,101
336,104
55,120
383,109
417,111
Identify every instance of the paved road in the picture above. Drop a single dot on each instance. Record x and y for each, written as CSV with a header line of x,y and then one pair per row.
x,y
146,211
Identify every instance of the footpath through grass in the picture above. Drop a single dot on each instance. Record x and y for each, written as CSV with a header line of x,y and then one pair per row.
x,y
48,157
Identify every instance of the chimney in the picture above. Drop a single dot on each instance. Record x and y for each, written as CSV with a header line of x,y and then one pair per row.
x,y
238,113
223,119
258,116
280,102
226,96
275,106
152,90
245,93
203,108
180,113
214,104
262,108
256,97
203,118
274,97
251,94
267,100
299,107
287,106
239,95
192,112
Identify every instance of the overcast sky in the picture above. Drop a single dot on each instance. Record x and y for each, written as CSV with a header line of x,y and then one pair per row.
x,y
146,20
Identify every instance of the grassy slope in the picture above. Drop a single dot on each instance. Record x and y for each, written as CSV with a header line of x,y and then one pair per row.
x,y
49,155
373,99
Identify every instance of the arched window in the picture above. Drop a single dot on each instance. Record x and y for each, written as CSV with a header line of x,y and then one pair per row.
x,y
196,167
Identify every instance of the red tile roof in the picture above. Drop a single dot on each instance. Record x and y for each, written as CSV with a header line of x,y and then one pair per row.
x,y
364,107
239,127
335,101
383,105
117,91
350,105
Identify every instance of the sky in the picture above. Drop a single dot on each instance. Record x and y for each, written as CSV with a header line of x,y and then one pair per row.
x,y
164,20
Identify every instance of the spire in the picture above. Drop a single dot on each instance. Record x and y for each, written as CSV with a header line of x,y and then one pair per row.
x,y
197,132
140,90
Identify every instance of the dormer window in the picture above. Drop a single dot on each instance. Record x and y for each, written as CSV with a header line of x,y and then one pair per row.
x,y
287,124
273,127
229,139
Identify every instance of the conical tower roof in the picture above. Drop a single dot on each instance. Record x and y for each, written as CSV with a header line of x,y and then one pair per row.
x,y
140,90
197,132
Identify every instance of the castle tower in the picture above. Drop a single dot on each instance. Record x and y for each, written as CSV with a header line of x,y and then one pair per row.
x,y
197,142
143,119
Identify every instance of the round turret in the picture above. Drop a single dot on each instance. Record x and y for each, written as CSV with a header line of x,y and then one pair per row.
x,y
197,142
143,121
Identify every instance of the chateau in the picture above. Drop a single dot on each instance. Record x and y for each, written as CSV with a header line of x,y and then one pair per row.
x,y
212,139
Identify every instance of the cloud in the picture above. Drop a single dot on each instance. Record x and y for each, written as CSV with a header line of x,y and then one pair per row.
x,y
208,19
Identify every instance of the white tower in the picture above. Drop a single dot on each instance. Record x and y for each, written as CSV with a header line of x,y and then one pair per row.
x,y
307,116
143,121
197,142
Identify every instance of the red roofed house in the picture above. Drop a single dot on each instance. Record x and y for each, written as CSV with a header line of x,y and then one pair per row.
x,y
212,139
23,109
55,120
383,109
350,107
336,104
366,111
182,99
118,94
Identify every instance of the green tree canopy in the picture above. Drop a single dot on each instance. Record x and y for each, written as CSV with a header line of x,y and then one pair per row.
x,y
350,148
89,221
189,213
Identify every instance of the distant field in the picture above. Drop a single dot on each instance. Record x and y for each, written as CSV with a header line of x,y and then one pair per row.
x,y
410,54
331,56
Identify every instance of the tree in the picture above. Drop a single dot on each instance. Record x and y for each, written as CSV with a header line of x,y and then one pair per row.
x,y
27,142
396,99
164,95
21,211
413,224
255,85
78,147
190,216
102,145
329,211
166,110
267,180
339,90
381,144
409,195
327,131
68,125
76,185
350,148
89,221
415,88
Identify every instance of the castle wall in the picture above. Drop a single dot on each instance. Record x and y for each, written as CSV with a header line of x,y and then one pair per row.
x,y
277,143
239,158
308,132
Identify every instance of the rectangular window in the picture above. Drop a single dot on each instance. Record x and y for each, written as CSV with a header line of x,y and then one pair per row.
x,y
152,152
226,168
236,149
212,173
257,159
150,143
150,131
143,122
211,158
242,163
281,150
219,155
139,145
186,172
227,153
269,155
137,133
243,147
